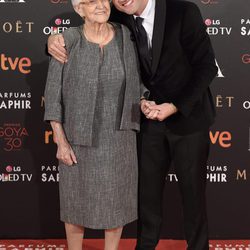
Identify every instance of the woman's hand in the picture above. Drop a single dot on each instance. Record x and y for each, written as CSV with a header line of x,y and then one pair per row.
x,y
145,106
147,110
65,154
56,48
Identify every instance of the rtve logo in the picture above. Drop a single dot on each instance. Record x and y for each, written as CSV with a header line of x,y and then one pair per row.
x,y
222,138
20,64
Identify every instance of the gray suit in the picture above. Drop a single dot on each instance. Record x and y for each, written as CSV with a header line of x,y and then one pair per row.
x,y
70,93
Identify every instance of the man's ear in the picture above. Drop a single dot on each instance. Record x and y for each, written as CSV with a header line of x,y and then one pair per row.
x,y
79,10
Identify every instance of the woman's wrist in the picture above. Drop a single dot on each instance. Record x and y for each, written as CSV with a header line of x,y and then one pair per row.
x,y
60,140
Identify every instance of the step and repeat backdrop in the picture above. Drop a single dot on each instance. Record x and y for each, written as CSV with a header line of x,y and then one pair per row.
x,y
29,202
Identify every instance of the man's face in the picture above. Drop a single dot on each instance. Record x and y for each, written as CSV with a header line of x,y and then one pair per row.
x,y
131,7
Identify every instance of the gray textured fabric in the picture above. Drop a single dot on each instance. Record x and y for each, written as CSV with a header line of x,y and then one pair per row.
x,y
100,191
71,88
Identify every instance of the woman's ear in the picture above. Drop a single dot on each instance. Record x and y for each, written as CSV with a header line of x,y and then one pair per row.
x,y
79,10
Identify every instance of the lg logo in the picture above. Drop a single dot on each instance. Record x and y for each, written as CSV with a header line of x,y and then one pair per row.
x,y
209,1
246,58
58,1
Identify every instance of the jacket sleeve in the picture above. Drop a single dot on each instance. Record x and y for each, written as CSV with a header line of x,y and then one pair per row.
x,y
53,89
144,91
198,49
53,92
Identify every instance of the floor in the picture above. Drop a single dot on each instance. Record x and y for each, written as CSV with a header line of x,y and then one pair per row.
x,y
126,244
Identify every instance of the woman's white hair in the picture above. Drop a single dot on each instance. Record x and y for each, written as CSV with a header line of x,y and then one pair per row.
x,y
75,2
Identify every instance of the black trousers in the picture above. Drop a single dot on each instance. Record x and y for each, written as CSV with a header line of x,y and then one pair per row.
x,y
157,147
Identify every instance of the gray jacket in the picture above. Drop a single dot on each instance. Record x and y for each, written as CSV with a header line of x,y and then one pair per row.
x,y
71,88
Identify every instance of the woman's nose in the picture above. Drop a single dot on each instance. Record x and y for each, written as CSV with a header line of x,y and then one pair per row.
x,y
100,3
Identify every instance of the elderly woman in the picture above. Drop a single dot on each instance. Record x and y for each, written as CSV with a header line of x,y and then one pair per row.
x,y
92,103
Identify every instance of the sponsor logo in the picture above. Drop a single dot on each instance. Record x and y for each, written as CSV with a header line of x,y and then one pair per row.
x,y
245,28
21,65
246,58
215,28
241,175
229,245
59,1
215,174
15,100
15,174
171,177
28,245
224,101
246,105
60,26
49,174
17,27
209,1
61,244
221,138
12,1
48,136
13,135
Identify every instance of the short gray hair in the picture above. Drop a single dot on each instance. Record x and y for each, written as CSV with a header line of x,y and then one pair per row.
x,y
75,2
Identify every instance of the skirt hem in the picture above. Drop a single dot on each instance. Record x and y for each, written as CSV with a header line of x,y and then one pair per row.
x,y
120,224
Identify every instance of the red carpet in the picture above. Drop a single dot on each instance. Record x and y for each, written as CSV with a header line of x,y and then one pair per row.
x,y
128,244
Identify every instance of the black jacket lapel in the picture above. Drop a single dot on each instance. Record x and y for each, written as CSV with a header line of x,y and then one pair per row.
x,y
158,33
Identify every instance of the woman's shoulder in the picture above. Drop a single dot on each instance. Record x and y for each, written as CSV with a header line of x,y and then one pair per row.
x,y
124,31
71,35
120,27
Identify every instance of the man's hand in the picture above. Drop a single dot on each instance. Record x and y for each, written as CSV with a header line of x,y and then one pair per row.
x,y
56,48
165,110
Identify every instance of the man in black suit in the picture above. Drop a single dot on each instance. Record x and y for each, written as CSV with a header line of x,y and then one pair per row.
x,y
177,66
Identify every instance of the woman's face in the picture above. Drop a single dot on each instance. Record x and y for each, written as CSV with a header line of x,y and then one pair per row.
x,y
94,11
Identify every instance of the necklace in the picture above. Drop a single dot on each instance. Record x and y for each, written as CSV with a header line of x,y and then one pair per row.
x,y
102,42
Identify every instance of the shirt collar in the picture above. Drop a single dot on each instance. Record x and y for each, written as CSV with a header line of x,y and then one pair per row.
x,y
148,10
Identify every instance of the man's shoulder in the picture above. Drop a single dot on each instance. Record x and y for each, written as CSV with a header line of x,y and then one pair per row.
x,y
187,9
183,4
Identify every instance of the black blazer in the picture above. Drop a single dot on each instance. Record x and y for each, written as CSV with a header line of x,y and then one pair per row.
x,y
183,64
